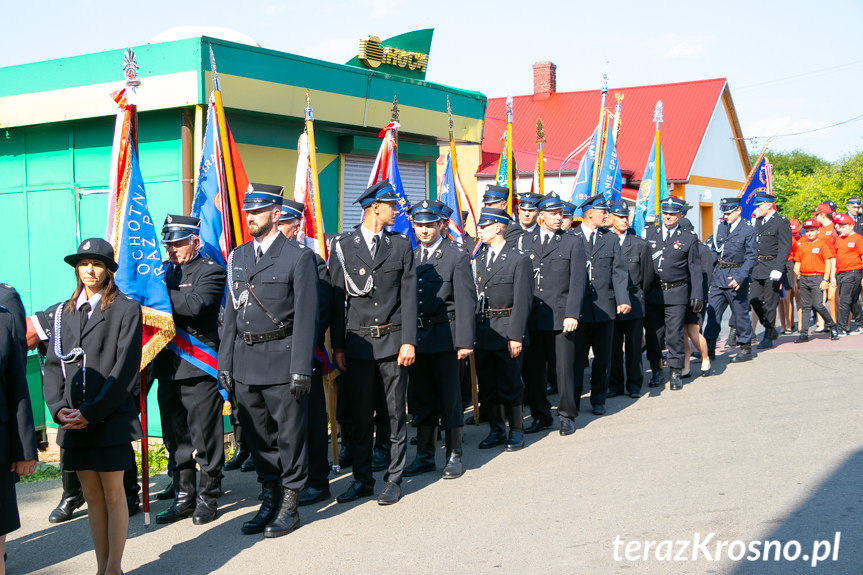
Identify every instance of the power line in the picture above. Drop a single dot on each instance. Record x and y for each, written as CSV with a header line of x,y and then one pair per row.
x,y
854,119
801,75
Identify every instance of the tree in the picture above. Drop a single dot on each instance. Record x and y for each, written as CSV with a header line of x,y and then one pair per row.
x,y
799,191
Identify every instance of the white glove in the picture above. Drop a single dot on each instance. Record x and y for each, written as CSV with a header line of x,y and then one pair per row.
x,y
775,275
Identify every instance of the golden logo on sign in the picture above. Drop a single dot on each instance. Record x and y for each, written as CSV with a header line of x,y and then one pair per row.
x,y
372,53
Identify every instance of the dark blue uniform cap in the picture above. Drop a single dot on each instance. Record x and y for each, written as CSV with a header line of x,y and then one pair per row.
x,y
728,205
424,212
291,210
262,196
763,198
551,201
96,249
528,201
596,202
445,210
381,192
178,228
493,216
620,208
568,209
670,205
495,193
854,201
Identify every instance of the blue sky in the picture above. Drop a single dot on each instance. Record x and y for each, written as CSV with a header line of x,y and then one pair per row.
x,y
792,66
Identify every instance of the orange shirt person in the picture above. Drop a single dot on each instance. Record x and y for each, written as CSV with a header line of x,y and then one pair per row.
x,y
814,267
849,273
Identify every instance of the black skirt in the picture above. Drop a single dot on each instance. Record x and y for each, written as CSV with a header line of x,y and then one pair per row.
x,y
9,520
110,458
694,317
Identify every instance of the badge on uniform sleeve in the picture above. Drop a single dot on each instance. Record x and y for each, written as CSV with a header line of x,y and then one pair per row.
x,y
362,271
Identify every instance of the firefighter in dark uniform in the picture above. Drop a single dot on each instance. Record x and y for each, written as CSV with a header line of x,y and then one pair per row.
x,y
629,327
736,246
773,234
272,295
855,210
558,261
318,484
189,401
676,284
503,278
568,210
496,197
606,294
446,301
528,214
373,275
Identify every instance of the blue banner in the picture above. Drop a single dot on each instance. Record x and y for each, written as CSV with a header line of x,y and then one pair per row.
x,y
609,181
448,194
402,224
584,176
645,205
757,184
205,203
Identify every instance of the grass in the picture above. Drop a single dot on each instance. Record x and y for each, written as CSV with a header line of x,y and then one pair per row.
x,y
157,459
44,472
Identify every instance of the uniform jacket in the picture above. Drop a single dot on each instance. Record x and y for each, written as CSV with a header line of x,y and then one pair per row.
x,y
285,281
512,233
445,285
325,300
676,259
637,257
391,300
10,299
739,246
196,291
111,340
505,284
858,224
607,280
17,433
774,240
558,279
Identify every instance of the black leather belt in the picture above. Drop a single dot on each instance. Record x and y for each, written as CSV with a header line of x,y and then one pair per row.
x,y
766,258
253,338
671,285
490,313
726,265
377,331
435,319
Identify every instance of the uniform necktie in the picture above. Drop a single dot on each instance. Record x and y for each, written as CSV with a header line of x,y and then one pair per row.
x,y
259,253
593,239
425,256
545,242
374,249
85,315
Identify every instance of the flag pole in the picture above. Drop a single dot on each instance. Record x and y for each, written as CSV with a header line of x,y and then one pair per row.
x,y
313,167
540,140
600,139
453,158
618,96
226,156
509,154
395,119
657,118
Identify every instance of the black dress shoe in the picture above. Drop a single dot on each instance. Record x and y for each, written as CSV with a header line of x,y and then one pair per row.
x,y
635,394
381,458
355,491
801,338
536,426
567,426
167,493
745,354
612,393
551,390
598,410
248,465
236,461
834,332
286,519
766,343
311,495
134,505
674,379
657,378
390,494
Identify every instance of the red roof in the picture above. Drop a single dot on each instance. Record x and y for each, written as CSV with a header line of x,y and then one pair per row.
x,y
569,118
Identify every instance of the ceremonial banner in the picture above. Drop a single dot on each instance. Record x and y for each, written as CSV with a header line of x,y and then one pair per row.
x,y
386,168
609,182
755,183
448,194
584,177
646,202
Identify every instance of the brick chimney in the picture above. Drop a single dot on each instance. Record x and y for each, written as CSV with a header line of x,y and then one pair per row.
x,y
544,79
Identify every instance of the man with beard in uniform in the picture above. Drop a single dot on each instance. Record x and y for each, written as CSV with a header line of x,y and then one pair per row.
x,y
629,327
558,261
773,234
496,197
606,294
272,295
374,277
736,246
446,302
676,284
317,486
189,401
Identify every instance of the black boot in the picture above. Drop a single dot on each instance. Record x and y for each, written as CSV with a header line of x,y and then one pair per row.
x,y
497,435
745,353
346,453
287,519
515,441
131,487
184,502
454,451
732,337
267,511
424,462
674,379
657,376
73,498
168,492
207,504
241,454
711,349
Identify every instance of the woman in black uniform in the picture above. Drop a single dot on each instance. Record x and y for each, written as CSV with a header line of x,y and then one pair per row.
x,y
94,355
17,434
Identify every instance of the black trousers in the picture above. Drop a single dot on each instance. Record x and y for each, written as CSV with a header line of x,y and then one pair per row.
x,y
365,377
192,410
849,297
499,377
319,466
275,426
436,390
764,298
812,298
596,335
626,351
738,300
536,370
664,323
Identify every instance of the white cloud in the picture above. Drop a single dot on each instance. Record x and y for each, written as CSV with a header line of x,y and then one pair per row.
x,y
675,46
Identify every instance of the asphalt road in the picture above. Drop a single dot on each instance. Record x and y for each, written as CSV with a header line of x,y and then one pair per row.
x,y
771,450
